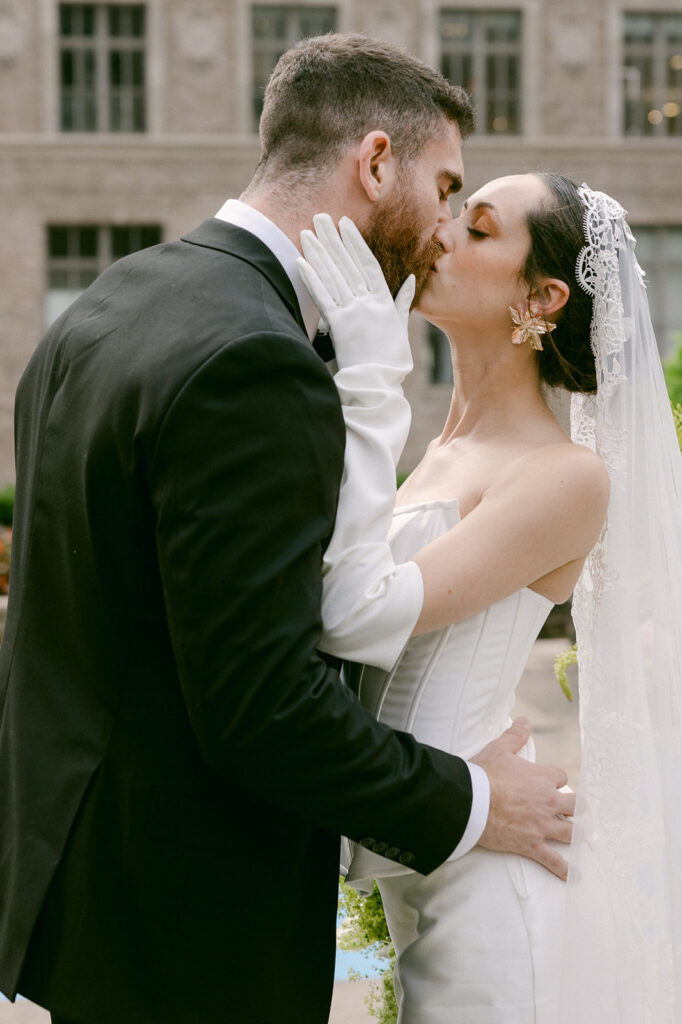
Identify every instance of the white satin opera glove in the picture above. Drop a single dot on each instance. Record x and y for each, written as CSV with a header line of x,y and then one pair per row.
x,y
370,605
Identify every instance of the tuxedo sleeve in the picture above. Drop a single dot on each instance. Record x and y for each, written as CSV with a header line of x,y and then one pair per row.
x,y
244,479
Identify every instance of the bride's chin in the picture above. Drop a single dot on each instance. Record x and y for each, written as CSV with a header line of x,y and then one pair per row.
x,y
428,305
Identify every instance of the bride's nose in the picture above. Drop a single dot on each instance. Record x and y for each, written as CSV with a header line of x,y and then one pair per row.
x,y
445,234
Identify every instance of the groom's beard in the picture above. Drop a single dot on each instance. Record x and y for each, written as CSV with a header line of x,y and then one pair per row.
x,y
393,237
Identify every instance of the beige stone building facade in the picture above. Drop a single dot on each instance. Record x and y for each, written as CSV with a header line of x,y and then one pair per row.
x,y
126,122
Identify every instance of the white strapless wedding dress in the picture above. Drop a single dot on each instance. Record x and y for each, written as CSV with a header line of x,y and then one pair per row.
x,y
478,940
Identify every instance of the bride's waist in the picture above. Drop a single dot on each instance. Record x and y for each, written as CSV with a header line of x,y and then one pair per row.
x,y
463,733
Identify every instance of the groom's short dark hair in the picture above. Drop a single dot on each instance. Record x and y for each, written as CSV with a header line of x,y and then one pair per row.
x,y
329,91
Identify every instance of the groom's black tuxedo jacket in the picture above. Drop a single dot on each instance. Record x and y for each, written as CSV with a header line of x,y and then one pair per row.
x,y
176,760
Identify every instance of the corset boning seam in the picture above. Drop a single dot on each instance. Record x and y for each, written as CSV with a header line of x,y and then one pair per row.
x,y
463,688
435,654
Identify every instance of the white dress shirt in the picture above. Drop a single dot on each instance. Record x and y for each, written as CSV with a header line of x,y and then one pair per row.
x,y
244,216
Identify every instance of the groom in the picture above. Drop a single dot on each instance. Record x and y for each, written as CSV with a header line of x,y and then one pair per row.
x,y
176,760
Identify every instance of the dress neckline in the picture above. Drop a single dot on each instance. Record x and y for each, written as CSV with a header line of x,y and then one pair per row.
x,y
437,503
432,503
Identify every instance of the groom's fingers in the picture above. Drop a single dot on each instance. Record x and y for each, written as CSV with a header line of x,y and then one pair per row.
x,y
527,804
561,830
553,861
510,742
567,803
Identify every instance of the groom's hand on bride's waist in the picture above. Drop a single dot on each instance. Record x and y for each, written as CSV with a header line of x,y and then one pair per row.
x,y
527,807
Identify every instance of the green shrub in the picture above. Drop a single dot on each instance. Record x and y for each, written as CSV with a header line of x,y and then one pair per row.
x,y
365,928
673,374
6,505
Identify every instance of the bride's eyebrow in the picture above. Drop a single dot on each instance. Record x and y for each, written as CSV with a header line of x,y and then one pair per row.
x,y
481,204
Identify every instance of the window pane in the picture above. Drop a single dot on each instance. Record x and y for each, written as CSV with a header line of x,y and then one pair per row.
x,y
270,22
115,68
481,51
67,73
639,28
88,66
456,26
137,21
137,68
115,101
58,242
652,74
274,30
672,28
77,19
149,235
502,27
76,255
65,19
86,241
114,21
125,240
316,22
139,114
126,20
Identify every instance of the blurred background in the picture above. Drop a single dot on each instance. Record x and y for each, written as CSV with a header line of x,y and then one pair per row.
x,y
122,124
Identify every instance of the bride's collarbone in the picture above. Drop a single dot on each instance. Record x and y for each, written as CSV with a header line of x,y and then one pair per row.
x,y
459,471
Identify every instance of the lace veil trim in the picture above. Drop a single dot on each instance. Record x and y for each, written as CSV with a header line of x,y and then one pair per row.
x,y
623,952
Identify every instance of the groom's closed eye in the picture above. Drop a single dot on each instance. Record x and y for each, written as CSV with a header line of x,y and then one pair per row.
x,y
451,184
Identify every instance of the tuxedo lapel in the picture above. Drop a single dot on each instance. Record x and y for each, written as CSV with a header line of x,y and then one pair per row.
x,y
228,238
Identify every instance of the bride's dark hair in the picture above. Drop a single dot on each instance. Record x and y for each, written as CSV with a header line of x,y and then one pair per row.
x,y
556,238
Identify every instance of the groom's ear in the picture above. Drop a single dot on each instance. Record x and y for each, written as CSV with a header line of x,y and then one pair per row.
x,y
376,165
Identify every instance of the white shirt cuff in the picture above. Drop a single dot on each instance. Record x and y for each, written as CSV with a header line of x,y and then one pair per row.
x,y
478,817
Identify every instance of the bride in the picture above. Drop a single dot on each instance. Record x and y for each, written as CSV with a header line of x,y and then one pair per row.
x,y
539,293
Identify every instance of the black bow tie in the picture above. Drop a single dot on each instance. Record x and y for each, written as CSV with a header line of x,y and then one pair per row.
x,y
322,343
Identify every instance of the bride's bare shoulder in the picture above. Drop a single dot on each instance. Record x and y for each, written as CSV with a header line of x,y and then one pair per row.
x,y
565,465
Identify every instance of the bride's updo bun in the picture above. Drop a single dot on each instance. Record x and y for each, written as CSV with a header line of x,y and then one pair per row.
x,y
556,238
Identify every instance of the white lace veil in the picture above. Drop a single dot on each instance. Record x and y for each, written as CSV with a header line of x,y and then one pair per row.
x,y
623,956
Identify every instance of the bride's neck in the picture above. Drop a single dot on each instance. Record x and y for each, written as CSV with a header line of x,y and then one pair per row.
x,y
493,385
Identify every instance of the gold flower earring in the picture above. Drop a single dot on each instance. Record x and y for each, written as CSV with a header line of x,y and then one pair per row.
x,y
529,326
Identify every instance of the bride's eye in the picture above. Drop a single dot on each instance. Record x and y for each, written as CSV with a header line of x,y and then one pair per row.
x,y
476,233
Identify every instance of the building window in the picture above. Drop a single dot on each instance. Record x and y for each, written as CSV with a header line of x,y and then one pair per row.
x,y
659,251
102,67
77,255
276,29
653,74
441,356
481,51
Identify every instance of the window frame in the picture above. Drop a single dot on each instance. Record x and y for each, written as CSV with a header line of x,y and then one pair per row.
x,y
244,70
102,45
155,72
274,45
479,52
658,132
531,43
74,264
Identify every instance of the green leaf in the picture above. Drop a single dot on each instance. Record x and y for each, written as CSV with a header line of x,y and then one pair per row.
x,y
561,663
